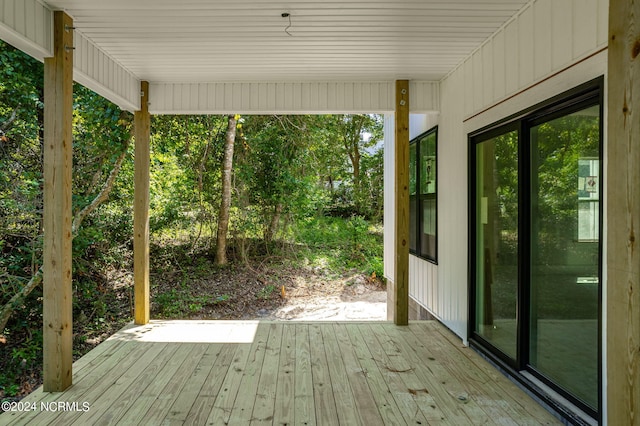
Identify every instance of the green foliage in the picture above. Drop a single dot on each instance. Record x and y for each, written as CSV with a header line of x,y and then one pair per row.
x,y
266,291
334,244
180,303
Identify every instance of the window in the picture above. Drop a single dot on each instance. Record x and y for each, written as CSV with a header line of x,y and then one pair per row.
x,y
423,202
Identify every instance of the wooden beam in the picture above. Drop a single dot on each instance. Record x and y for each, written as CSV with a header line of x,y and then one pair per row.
x,y
401,274
142,123
623,215
56,283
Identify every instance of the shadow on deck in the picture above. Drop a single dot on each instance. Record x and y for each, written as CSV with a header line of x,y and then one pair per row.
x,y
282,373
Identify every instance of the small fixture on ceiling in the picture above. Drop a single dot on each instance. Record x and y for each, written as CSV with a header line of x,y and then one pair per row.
x,y
287,15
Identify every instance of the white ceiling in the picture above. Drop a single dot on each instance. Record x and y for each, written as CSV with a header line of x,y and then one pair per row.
x,y
245,40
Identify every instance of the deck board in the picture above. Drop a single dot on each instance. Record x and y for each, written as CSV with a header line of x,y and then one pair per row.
x,y
286,373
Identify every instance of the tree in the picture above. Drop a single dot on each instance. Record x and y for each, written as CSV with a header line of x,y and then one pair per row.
x,y
223,216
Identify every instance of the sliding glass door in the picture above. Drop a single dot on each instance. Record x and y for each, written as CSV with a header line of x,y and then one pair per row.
x,y
535,221
565,251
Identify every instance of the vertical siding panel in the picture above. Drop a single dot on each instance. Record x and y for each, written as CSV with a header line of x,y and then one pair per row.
x,y
332,96
30,19
585,25
157,96
202,96
525,47
346,102
561,33
100,70
20,18
246,97
297,96
271,95
357,95
85,58
487,72
365,104
279,95
9,15
287,96
255,97
542,44
170,93
511,57
476,80
263,96
221,93
313,96
499,89
185,96
322,88
211,97
349,96
603,23
305,96
468,87
389,196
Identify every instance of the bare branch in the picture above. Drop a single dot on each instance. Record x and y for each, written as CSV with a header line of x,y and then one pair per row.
x,y
6,124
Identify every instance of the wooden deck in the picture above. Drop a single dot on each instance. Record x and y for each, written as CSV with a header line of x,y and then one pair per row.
x,y
282,373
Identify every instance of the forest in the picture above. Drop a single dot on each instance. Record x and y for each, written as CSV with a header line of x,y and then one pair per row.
x,y
242,207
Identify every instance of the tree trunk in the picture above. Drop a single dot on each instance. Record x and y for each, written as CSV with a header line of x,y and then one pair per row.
x,y
225,204
273,225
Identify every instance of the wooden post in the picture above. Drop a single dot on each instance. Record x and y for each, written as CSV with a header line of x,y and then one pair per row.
x,y
623,215
142,123
401,275
56,283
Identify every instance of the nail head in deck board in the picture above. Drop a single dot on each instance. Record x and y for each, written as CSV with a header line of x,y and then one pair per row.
x,y
623,214
57,255
142,126
401,272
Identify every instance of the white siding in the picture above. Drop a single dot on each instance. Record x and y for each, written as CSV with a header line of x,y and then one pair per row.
x,y
27,25
543,38
389,230
98,71
549,47
287,97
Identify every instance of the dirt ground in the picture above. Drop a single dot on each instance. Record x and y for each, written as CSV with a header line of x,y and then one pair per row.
x,y
358,301
265,292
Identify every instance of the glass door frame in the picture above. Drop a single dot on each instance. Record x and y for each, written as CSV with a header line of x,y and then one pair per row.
x,y
588,94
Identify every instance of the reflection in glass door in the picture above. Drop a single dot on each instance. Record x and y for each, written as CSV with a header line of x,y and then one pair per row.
x,y
496,227
565,251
